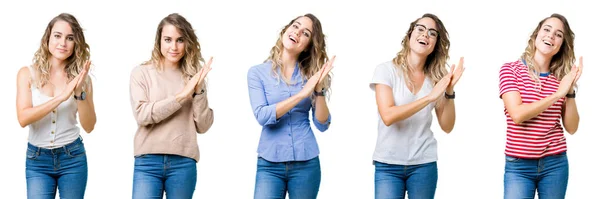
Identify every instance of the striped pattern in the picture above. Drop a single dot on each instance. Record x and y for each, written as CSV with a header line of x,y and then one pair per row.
x,y
539,136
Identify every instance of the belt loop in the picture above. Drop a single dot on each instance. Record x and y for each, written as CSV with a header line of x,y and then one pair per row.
x,y
37,153
65,149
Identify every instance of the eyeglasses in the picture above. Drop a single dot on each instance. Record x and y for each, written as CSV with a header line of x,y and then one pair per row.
x,y
431,32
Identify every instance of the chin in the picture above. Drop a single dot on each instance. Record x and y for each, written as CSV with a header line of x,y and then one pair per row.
x,y
173,59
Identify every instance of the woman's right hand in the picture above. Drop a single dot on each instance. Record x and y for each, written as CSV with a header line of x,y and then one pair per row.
x,y
310,85
190,86
68,91
567,82
441,86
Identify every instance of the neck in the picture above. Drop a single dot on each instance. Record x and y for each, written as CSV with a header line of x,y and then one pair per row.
x,y
167,65
542,62
288,60
416,62
57,66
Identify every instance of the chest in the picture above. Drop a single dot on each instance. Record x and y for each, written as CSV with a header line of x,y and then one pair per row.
x,y
532,90
278,90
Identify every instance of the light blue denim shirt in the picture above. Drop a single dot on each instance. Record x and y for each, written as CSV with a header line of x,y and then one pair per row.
x,y
289,138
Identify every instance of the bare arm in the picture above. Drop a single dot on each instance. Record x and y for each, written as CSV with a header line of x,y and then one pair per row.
x,y
26,112
570,116
389,112
87,113
445,113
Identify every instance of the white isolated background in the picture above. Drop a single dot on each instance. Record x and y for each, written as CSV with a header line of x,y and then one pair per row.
x,y
239,34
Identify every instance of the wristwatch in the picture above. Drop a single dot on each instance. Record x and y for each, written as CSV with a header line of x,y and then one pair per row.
x,y
321,93
450,96
194,94
82,97
570,95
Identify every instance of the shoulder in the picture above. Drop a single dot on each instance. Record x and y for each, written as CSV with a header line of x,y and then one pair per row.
x,y
142,69
266,66
387,68
24,74
514,66
260,69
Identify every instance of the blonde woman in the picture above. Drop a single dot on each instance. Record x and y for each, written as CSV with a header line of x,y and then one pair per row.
x,y
293,81
51,93
168,97
407,89
538,91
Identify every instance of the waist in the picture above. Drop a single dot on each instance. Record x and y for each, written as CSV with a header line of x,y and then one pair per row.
x,y
68,147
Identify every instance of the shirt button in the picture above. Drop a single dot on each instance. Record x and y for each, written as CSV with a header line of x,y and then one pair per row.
x,y
51,142
53,121
52,132
54,111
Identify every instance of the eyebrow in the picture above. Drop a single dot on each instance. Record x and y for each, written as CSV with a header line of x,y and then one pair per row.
x,y
305,28
556,30
171,37
60,33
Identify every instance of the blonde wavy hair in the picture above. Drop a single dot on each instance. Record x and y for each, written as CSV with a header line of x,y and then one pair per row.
x,y
192,60
561,62
75,62
436,61
310,60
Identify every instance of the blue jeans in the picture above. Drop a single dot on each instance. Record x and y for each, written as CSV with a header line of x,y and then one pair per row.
x,y
156,174
301,179
392,181
64,168
549,175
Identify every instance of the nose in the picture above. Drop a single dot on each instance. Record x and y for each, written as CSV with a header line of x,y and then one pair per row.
x,y
63,42
174,45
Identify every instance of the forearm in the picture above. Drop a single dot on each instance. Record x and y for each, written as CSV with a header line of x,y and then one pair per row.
x,y
570,116
448,115
87,114
524,112
393,114
321,109
147,113
33,114
203,114
286,105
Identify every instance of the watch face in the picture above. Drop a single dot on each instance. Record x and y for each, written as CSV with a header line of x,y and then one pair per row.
x,y
82,95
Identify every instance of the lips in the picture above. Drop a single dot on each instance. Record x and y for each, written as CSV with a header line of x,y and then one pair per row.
x,y
423,42
548,43
295,40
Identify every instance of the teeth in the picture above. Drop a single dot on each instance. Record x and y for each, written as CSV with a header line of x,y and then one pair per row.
x,y
548,43
292,39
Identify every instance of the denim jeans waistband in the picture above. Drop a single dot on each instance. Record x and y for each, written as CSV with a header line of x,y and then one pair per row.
x,y
69,147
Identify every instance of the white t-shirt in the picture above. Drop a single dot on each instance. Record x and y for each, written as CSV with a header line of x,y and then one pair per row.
x,y
409,141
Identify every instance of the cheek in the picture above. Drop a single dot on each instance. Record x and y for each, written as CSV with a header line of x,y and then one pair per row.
x,y
70,45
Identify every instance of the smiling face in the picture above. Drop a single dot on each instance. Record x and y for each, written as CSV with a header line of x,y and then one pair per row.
x,y
550,37
61,41
297,36
424,37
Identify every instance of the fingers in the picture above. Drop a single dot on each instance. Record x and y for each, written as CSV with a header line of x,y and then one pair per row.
x,y
208,64
451,70
326,69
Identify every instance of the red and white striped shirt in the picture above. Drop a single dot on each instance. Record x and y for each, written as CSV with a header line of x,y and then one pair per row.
x,y
543,134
